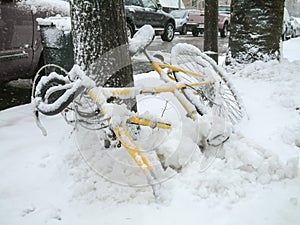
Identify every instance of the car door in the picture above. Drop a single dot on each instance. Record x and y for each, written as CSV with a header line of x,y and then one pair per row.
x,y
138,12
16,37
154,16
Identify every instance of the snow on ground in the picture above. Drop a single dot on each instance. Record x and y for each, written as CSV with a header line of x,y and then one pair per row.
x,y
290,49
64,178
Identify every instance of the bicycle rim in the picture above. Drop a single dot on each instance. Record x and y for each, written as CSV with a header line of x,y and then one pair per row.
x,y
218,97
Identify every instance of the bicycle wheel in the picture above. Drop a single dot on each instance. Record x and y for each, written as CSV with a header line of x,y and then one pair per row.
x,y
218,95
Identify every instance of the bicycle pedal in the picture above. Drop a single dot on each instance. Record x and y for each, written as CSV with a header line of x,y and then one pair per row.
x,y
112,137
106,143
119,144
112,144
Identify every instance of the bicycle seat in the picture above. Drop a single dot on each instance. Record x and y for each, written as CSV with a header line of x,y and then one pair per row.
x,y
141,40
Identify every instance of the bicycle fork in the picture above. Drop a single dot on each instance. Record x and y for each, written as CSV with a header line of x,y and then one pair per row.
x,y
131,147
136,154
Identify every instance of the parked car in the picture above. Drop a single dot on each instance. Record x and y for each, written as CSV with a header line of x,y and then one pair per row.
x,y
224,9
295,22
141,12
20,41
195,22
181,17
224,20
286,26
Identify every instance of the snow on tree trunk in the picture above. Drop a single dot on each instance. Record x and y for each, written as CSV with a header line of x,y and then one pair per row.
x,y
211,28
255,30
100,41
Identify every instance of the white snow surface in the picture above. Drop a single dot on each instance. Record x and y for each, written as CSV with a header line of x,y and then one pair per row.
x,y
61,23
141,39
68,178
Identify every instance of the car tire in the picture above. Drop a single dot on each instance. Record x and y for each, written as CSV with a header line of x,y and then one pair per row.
x,y
169,32
224,30
129,30
195,32
183,30
40,64
283,36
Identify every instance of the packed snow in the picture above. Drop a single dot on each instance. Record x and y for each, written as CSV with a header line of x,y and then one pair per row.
x,y
141,39
69,178
61,23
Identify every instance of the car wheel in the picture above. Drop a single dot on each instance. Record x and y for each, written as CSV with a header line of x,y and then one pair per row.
x,y
183,30
224,31
129,30
283,36
195,32
169,32
40,64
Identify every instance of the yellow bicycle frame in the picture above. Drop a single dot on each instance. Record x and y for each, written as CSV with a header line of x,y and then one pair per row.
x,y
127,141
122,133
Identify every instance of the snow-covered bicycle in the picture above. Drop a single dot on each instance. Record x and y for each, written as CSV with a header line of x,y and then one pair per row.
x,y
193,78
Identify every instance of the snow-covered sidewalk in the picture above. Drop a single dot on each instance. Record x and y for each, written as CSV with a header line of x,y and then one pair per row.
x,y
45,180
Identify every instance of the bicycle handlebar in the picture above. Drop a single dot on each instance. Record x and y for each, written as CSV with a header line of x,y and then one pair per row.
x,y
141,40
55,92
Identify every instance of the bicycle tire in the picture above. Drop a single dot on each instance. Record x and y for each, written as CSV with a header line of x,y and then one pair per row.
x,y
219,98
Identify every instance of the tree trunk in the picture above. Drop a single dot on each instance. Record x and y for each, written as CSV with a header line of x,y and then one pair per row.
x,y
100,41
211,28
255,33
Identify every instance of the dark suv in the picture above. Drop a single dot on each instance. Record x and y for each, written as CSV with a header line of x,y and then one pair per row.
x,y
141,12
20,41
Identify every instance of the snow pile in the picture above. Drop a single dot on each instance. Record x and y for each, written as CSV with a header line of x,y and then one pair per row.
x,y
243,166
280,97
285,75
61,23
141,39
230,173
290,49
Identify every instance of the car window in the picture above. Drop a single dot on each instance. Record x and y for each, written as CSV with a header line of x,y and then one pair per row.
x,y
149,4
2,2
195,11
133,2
179,13
224,9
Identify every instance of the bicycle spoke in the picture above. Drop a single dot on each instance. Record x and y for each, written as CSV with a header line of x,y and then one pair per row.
x,y
190,58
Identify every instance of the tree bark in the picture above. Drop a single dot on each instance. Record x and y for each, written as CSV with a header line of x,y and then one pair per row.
x,y
100,41
255,33
211,28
